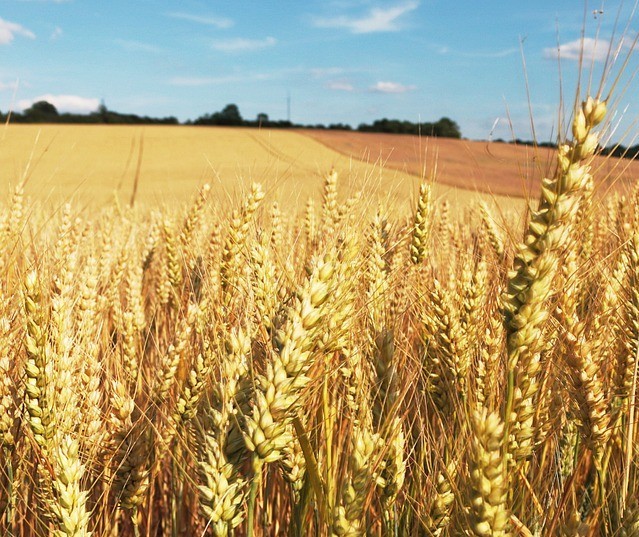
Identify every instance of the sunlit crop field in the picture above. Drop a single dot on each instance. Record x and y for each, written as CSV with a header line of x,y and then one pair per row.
x,y
94,164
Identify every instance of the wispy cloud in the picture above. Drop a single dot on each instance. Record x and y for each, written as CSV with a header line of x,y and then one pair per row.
x,y
217,22
391,87
491,54
196,81
56,34
240,44
322,72
340,85
64,103
9,31
377,19
8,85
445,50
137,46
588,48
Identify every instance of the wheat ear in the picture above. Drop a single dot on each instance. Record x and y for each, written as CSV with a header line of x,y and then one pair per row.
x,y
441,507
489,516
535,267
231,262
70,506
350,518
421,226
222,486
41,415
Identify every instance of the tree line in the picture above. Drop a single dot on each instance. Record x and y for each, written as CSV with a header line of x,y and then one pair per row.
x,y
615,150
230,116
45,112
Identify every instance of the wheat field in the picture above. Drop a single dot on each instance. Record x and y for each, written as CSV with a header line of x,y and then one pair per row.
x,y
91,165
342,366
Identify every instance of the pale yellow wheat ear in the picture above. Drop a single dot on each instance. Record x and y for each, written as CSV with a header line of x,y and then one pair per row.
x,y
235,244
349,516
422,225
394,468
535,266
276,225
13,222
439,511
387,397
221,490
194,216
39,407
173,259
278,389
377,272
588,390
9,414
489,486
330,215
222,487
70,505
197,376
128,449
277,394
8,395
88,348
626,366
264,283
310,224
446,356
495,235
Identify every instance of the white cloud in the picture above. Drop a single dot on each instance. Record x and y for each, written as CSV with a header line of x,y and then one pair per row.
x,y
64,103
9,31
589,48
57,33
217,22
391,87
376,20
240,44
340,85
137,46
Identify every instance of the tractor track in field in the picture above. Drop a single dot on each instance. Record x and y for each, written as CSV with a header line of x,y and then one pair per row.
x,y
271,149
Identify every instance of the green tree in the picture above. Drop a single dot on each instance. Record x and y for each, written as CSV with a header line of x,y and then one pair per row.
x,y
42,111
446,128
230,115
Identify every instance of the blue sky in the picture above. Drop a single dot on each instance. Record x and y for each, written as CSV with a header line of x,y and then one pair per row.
x,y
346,61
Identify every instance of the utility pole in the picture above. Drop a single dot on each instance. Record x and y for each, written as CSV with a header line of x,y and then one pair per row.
x,y
288,106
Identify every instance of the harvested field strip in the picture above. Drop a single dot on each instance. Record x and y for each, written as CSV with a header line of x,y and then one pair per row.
x,y
498,168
